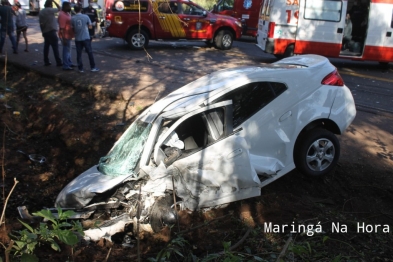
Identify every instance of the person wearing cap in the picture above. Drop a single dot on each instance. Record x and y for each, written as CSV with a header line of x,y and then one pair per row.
x,y
21,25
49,27
7,25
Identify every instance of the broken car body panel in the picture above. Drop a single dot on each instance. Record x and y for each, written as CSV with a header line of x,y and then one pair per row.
x,y
216,140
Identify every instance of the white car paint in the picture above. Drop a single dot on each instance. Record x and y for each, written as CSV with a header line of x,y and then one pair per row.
x,y
217,162
268,136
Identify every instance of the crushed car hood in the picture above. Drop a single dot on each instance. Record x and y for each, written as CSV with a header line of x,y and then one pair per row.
x,y
80,191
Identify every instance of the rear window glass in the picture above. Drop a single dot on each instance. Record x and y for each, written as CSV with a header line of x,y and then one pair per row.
x,y
130,6
326,10
266,9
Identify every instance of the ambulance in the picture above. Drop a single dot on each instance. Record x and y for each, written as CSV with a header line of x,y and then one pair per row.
x,y
288,27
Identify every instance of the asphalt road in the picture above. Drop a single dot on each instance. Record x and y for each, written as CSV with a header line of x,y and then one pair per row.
x,y
370,83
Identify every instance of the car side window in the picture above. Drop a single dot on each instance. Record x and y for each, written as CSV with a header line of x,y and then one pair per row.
x,y
192,135
189,9
250,98
168,8
324,10
225,5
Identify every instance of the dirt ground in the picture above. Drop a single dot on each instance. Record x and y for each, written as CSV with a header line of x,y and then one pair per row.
x,y
73,127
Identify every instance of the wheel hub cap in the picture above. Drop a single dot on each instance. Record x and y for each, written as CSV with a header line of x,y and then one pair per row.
x,y
320,154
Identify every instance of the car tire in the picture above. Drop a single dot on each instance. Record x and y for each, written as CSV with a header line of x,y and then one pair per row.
x,y
162,214
289,51
223,40
384,65
209,43
138,39
316,152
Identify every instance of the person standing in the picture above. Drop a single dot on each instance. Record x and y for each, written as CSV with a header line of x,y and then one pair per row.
x,y
7,25
66,34
48,24
347,35
21,25
81,23
92,14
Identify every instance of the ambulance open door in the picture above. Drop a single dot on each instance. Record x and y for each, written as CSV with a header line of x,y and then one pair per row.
x,y
320,27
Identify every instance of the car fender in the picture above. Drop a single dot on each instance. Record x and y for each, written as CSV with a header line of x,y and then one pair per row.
x,y
316,106
343,110
220,22
146,25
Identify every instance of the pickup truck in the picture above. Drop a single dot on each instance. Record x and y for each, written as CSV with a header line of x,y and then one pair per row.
x,y
138,21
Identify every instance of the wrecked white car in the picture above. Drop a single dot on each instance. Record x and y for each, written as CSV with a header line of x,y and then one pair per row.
x,y
217,140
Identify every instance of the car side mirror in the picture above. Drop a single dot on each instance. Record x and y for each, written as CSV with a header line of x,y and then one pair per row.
x,y
204,13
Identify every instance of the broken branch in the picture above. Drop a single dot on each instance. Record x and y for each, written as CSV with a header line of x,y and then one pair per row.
x,y
107,256
285,248
6,201
241,240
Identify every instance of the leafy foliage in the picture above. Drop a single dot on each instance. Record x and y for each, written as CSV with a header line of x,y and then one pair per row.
x,y
176,246
57,229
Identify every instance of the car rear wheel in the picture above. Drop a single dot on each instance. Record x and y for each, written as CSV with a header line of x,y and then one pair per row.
x,y
138,39
289,51
317,152
223,40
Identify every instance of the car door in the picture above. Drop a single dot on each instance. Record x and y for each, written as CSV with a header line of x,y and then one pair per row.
x,y
194,21
213,166
264,111
320,27
167,24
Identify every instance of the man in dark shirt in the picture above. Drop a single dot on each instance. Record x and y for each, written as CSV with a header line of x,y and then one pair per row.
x,y
49,28
7,25
92,14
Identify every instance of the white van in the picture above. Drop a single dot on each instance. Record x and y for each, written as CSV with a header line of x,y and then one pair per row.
x,y
288,27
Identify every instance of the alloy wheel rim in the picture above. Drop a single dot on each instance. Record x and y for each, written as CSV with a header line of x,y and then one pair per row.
x,y
320,154
226,40
138,40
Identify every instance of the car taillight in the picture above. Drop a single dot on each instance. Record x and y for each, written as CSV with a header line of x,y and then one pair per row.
x,y
270,33
108,17
333,79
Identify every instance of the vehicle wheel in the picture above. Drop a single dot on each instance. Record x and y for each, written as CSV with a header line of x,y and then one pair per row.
x,y
162,214
223,40
384,65
209,43
138,39
289,51
316,152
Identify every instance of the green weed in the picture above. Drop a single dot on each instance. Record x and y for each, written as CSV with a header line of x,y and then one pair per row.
x,y
51,232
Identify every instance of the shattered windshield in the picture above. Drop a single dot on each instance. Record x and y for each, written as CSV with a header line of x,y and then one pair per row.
x,y
124,156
